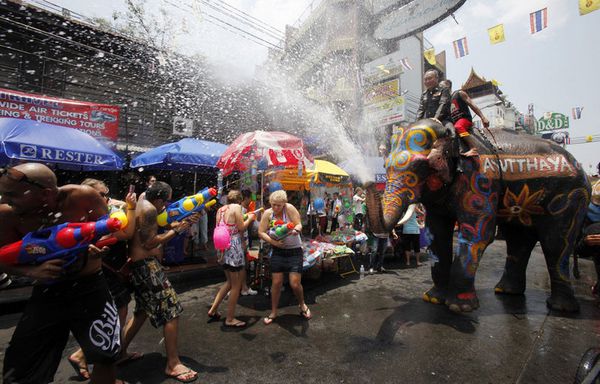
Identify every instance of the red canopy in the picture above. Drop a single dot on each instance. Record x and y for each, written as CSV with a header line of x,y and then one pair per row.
x,y
269,149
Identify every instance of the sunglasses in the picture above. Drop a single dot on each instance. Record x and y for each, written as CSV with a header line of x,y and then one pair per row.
x,y
18,176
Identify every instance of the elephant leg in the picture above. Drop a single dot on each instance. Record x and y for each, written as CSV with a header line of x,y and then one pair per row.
x,y
558,242
473,238
557,250
519,244
441,228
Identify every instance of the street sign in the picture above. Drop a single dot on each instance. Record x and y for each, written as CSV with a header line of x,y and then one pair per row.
x,y
384,67
382,92
386,112
552,121
413,16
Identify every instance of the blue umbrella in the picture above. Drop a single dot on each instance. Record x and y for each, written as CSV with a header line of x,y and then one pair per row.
x,y
185,155
32,141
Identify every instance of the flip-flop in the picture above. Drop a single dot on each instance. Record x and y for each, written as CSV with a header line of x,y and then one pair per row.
x,y
78,369
238,324
176,376
268,320
133,356
214,317
306,313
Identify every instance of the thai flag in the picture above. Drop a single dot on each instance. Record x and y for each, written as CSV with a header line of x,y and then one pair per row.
x,y
405,64
460,47
538,20
576,112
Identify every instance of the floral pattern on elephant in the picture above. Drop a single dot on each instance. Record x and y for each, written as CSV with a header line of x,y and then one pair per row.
x,y
523,206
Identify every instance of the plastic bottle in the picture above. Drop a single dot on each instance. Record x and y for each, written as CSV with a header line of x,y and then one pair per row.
x,y
362,271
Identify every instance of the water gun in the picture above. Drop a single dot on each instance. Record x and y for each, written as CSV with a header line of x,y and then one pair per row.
x,y
252,213
186,206
280,229
63,241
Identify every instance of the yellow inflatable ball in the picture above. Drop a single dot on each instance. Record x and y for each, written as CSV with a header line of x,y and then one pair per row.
x,y
122,217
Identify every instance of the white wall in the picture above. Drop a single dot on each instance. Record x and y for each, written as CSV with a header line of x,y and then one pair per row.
x,y
412,80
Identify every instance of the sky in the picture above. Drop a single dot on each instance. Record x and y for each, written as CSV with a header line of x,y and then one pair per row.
x,y
554,69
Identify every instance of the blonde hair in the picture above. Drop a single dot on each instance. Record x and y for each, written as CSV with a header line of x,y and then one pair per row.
x,y
278,197
234,197
596,193
93,182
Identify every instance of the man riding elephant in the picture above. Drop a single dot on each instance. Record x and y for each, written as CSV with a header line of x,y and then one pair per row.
x,y
535,190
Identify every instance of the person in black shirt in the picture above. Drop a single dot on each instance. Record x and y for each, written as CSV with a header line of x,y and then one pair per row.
x,y
461,116
435,101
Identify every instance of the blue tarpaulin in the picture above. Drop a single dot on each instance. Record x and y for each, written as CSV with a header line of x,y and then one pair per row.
x,y
185,155
29,140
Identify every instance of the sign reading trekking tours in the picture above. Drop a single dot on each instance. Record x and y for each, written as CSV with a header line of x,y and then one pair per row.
x,y
97,120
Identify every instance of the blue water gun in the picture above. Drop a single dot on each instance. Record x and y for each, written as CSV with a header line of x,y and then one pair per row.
x,y
186,206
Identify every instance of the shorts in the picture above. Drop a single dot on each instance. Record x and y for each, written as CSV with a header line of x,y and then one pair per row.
x,y
120,291
287,260
231,268
411,242
82,306
153,292
463,127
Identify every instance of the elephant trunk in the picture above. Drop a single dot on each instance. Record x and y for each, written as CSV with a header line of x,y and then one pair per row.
x,y
380,222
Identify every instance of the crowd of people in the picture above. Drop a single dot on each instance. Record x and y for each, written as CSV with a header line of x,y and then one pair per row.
x,y
89,297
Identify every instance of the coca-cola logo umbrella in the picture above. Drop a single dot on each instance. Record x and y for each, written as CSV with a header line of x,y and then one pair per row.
x,y
269,149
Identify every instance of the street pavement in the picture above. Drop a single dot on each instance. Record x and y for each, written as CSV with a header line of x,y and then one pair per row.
x,y
375,330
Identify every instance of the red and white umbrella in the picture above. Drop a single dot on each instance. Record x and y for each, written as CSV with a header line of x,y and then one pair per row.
x,y
267,149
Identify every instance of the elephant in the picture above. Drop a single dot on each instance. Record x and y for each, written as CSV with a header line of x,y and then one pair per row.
x,y
531,188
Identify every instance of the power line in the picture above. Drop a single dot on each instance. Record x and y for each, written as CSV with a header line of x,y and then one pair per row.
x,y
243,20
260,42
251,17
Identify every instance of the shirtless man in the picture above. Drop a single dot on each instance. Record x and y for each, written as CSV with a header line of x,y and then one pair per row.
x,y
77,301
154,295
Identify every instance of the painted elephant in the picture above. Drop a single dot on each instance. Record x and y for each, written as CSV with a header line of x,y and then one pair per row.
x,y
532,188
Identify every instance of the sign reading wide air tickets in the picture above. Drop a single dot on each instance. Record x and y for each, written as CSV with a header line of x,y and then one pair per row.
x,y
97,120
407,18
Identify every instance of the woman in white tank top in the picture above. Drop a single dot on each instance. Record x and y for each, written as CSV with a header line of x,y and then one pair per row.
x,y
287,252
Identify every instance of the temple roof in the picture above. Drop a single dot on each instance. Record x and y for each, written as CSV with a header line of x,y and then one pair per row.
x,y
474,80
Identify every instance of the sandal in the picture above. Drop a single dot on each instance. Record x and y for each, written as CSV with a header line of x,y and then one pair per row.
x,y
214,317
178,377
81,371
306,313
237,324
269,319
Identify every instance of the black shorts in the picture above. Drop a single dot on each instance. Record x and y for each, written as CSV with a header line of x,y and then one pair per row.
x,y
287,260
231,268
411,242
120,291
81,306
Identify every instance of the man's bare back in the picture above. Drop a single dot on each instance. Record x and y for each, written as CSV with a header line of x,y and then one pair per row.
x,y
141,245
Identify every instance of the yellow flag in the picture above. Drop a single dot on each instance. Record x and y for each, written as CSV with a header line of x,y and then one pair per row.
x,y
430,56
497,33
587,6
496,82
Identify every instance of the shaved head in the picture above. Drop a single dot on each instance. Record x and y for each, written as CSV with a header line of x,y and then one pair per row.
x,y
38,173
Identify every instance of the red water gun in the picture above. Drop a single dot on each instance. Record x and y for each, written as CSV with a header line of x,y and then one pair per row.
x,y
63,241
